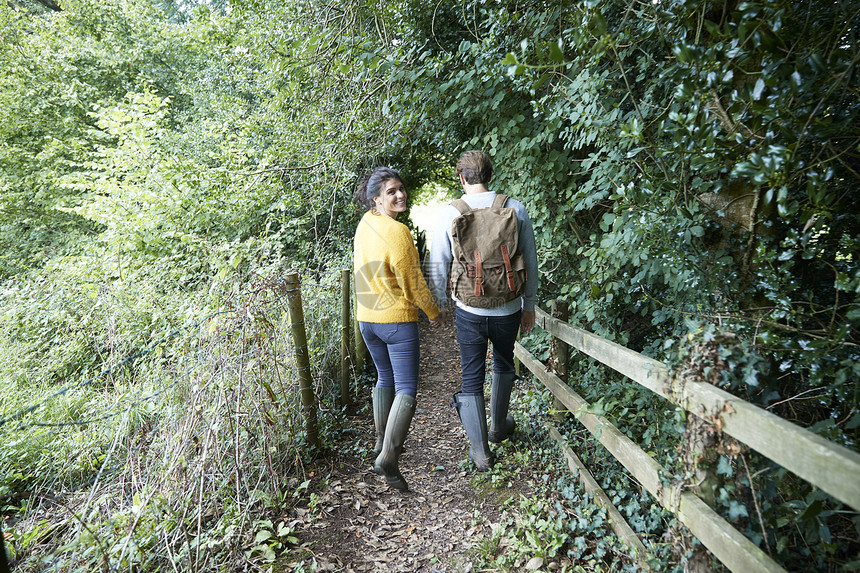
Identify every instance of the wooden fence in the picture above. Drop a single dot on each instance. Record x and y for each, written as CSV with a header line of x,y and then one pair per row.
x,y
831,467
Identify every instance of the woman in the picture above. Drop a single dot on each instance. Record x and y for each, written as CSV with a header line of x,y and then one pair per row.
x,y
390,289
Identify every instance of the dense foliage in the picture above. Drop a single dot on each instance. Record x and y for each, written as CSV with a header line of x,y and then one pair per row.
x,y
690,167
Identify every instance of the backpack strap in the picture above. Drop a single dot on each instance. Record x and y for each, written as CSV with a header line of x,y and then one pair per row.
x,y
479,274
461,206
499,201
509,271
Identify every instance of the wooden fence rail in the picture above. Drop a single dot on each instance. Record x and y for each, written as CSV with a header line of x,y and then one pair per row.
x,y
829,466
822,463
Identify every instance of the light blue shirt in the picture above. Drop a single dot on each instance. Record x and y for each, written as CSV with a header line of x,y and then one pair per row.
x,y
442,254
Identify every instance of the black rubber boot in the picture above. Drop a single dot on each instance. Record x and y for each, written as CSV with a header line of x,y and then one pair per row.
x,y
470,408
382,399
399,420
501,424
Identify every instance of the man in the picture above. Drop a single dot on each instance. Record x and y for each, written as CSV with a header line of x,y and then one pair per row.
x,y
482,318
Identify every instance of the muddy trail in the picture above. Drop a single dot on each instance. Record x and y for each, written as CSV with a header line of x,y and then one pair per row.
x,y
356,523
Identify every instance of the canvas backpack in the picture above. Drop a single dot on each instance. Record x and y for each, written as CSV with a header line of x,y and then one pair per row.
x,y
488,269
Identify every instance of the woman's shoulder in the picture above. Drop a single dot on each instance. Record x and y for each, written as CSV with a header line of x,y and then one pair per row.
x,y
399,231
388,223
384,225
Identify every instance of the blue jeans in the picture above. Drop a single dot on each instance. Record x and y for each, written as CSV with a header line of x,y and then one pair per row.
x,y
473,334
394,349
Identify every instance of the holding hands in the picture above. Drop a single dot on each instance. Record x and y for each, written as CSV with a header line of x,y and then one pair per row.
x,y
441,318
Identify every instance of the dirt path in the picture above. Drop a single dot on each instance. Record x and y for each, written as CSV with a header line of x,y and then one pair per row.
x,y
358,523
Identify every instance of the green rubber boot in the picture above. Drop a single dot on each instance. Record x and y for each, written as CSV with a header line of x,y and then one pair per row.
x,y
471,410
399,421
382,399
501,424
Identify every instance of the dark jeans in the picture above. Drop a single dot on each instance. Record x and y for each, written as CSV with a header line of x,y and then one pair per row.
x,y
473,334
394,349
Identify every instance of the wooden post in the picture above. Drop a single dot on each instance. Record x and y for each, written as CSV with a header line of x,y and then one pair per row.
x,y
699,457
300,340
360,350
345,327
559,353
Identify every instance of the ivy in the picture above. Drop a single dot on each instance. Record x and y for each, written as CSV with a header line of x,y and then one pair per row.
x,y
681,165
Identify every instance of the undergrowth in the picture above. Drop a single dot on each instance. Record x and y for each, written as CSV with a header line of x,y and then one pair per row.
x,y
549,521
181,459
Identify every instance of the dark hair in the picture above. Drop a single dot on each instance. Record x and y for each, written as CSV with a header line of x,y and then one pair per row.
x,y
475,167
370,185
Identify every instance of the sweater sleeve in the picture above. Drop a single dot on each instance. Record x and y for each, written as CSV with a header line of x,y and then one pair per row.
x,y
408,275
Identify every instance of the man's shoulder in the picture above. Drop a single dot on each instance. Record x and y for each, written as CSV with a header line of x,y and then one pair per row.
x,y
514,202
447,213
518,206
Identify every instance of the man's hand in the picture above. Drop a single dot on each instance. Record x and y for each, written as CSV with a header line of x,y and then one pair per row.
x,y
440,318
527,321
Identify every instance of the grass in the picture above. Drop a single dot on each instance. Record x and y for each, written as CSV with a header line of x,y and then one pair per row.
x,y
171,462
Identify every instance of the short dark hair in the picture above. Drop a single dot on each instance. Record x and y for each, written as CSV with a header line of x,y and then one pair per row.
x,y
370,185
475,167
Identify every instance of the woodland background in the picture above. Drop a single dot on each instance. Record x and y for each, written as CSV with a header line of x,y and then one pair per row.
x,y
691,169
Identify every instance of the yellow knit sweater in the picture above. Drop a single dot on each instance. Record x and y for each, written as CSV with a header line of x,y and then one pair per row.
x,y
388,280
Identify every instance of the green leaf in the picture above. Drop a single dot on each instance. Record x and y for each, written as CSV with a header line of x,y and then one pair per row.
x,y
737,510
682,53
758,89
724,467
812,510
268,554
555,52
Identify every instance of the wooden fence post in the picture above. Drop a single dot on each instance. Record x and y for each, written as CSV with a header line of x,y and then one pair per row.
x,y
345,327
300,340
559,354
360,350
700,458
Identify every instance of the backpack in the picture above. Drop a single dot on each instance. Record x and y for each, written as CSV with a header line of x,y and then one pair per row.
x,y
488,269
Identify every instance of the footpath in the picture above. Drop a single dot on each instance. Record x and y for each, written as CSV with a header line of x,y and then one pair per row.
x,y
444,523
